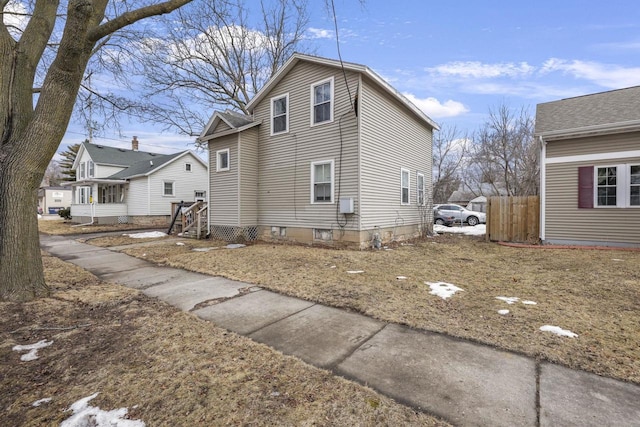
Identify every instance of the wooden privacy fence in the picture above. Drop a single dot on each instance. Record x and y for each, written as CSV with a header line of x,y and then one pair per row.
x,y
513,219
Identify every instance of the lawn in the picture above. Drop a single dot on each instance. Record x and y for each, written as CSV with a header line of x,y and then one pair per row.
x,y
592,293
165,366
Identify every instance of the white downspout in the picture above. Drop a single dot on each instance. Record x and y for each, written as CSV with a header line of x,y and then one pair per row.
x,y
543,180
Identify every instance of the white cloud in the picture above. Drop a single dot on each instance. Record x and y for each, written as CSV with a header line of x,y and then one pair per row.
x,y
436,109
607,75
320,33
479,70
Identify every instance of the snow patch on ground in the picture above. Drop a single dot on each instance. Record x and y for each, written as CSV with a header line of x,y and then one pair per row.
x,y
41,401
558,331
235,246
32,348
179,243
503,312
442,289
478,230
355,271
401,278
85,415
529,303
205,249
146,235
513,300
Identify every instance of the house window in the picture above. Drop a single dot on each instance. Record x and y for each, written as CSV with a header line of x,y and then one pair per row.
x,y
606,186
420,189
609,186
634,185
199,195
222,160
82,170
110,194
322,182
280,114
322,102
404,186
84,195
187,167
167,188
91,168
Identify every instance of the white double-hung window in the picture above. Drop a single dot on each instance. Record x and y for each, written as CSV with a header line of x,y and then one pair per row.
x,y
420,188
280,114
322,181
322,102
404,186
609,186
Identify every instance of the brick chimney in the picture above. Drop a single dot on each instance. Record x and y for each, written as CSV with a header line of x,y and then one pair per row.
x,y
134,143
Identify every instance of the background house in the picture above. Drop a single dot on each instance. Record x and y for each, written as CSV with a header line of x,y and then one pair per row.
x,y
116,185
53,198
331,153
590,168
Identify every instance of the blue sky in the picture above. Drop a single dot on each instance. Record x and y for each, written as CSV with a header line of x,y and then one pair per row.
x,y
458,60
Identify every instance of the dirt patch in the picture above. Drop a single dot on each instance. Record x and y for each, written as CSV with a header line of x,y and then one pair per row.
x,y
167,367
62,227
595,294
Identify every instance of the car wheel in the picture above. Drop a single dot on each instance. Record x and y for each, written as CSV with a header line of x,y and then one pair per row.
x,y
472,221
439,221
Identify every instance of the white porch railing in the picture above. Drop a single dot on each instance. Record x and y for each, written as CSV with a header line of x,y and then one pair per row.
x,y
99,210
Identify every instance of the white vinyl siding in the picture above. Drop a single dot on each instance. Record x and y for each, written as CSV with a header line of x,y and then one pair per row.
x,y
322,102
137,197
280,114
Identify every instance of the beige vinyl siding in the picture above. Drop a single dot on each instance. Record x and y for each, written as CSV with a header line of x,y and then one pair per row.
x,y
284,188
137,197
391,139
223,200
565,222
185,184
594,145
248,177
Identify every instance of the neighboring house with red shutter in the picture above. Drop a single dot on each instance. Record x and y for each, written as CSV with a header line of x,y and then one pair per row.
x,y
330,153
590,169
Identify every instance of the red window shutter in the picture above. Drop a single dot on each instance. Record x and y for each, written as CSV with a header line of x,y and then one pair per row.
x,y
585,187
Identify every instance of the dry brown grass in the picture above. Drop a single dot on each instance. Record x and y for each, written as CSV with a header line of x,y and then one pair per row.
x,y
594,293
166,366
66,227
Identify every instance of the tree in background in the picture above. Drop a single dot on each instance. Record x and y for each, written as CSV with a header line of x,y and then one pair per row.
x,y
66,164
44,49
52,175
449,155
504,154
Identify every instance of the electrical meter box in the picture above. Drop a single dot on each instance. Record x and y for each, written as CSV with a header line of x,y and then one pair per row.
x,y
346,205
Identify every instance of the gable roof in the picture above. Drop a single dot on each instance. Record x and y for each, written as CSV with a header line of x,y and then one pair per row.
x,y
136,163
362,69
236,121
604,112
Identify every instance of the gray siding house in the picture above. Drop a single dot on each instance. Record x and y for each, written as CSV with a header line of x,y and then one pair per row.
x,y
117,185
590,169
331,153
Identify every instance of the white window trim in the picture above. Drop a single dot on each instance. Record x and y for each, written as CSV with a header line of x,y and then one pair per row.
x,y
91,171
402,171
313,178
173,188
82,170
424,201
623,185
218,168
332,101
188,167
275,98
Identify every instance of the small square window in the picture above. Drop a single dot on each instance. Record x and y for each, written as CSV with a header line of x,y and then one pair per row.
x,y
187,167
222,160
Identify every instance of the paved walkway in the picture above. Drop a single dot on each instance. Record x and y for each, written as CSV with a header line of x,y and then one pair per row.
x,y
465,383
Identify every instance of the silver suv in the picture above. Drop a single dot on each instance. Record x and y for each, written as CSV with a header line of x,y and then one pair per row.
x,y
462,214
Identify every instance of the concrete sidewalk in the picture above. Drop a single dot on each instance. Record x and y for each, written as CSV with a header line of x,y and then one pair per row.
x,y
465,383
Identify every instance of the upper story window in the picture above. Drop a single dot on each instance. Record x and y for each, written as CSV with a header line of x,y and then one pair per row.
x,y
322,182
91,168
322,102
187,167
222,160
280,114
404,186
82,170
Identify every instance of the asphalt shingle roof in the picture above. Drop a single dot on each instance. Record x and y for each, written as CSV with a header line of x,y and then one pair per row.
x,y
144,166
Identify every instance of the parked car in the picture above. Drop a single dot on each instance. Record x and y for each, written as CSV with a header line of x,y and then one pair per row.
x,y
462,214
442,219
